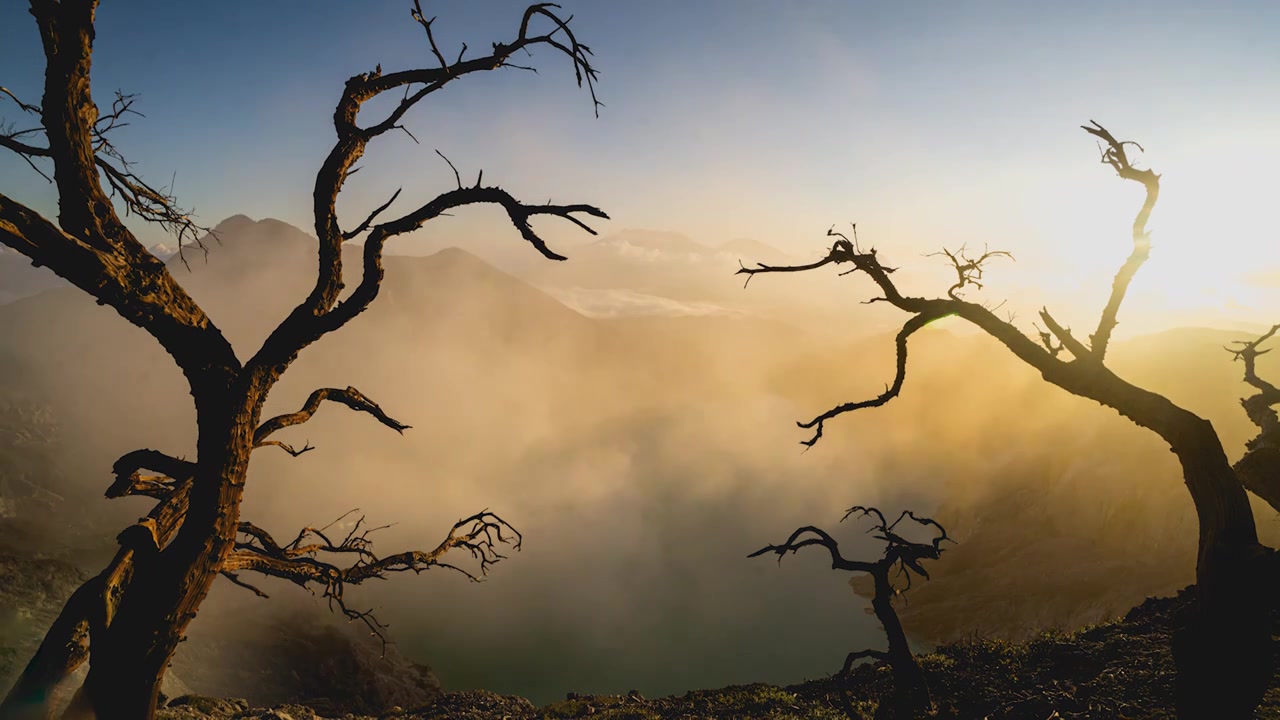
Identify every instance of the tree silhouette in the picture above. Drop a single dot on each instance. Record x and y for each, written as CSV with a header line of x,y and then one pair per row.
x,y
128,620
911,691
1222,646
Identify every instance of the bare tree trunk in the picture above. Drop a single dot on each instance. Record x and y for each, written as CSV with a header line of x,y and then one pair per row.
x,y
167,587
910,689
1222,644
152,590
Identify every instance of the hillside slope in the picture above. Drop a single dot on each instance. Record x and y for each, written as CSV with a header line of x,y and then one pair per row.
x,y
1121,669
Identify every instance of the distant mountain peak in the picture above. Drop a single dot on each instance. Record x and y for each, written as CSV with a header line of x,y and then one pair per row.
x,y
163,250
234,223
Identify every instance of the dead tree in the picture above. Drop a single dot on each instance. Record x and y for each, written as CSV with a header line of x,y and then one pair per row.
x,y
129,619
911,691
1259,468
1223,648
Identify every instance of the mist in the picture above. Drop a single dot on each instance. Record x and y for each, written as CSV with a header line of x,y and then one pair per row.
x,y
642,457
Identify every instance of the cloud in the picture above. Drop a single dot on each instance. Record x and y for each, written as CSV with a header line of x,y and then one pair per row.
x,y
626,303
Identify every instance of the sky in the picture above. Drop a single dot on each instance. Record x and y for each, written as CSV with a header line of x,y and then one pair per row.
x,y
930,124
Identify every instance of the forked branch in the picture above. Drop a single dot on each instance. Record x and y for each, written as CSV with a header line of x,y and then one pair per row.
x,y
968,269
911,692
1088,379
320,312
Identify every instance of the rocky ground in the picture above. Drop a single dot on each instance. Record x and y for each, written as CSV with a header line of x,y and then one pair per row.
x,y
1119,670
281,653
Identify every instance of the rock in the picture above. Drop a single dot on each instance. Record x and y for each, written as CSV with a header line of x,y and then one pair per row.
x,y
200,706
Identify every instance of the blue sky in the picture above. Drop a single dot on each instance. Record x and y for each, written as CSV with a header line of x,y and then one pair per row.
x,y
929,123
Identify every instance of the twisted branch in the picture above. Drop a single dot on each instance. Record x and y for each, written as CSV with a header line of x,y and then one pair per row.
x,y
299,561
1259,406
350,397
321,312
1086,379
968,270
911,688
890,392
1114,155
1259,468
819,537
90,246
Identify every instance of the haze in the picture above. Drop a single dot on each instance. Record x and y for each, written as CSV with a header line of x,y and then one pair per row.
x,y
632,410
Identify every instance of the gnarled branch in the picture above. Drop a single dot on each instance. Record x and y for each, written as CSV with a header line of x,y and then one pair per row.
x,y
911,689
129,479
1259,468
818,537
1259,406
300,560
968,269
890,392
320,312
1115,155
350,397
1086,379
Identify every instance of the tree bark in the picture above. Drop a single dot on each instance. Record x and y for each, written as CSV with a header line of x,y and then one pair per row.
x,y
130,658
